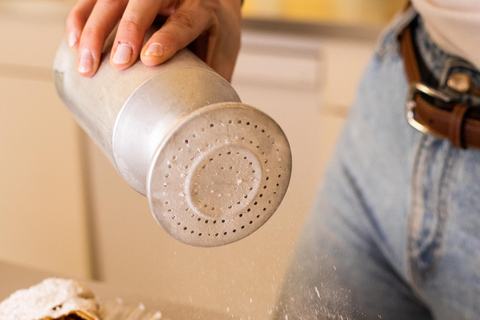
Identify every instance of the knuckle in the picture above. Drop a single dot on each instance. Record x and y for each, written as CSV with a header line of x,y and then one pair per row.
x,y
170,39
184,19
131,26
90,33
111,2
211,7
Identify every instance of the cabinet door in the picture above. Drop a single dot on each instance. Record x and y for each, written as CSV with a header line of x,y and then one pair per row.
x,y
30,31
42,216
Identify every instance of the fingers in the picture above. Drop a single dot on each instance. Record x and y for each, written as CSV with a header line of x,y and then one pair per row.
x,y
91,21
76,21
138,17
215,24
100,23
180,29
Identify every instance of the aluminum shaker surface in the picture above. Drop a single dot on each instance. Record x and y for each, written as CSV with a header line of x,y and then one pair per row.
x,y
214,169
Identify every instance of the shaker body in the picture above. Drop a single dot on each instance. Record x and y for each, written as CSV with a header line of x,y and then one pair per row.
x,y
120,108
214,169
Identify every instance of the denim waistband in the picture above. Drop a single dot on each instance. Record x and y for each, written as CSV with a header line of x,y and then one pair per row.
x,y
434,57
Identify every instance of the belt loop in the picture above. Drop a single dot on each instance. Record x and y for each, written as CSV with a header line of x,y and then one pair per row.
x,y
456,126
403,19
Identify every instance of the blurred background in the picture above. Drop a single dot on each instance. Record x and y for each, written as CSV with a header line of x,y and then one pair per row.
x,y
64,209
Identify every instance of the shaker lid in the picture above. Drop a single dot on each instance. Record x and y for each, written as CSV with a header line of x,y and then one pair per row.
x,y
219,175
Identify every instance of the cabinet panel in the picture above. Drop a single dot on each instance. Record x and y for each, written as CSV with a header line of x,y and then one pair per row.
x,y
31,30
345,61
42,216
284,70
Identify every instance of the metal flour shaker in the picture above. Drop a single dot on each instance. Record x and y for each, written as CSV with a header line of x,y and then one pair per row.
x,y
214,170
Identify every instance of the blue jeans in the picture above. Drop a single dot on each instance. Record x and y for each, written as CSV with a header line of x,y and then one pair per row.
x,y
395,233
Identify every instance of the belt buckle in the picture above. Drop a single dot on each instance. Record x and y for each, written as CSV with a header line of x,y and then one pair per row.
x,y
447,94
419,88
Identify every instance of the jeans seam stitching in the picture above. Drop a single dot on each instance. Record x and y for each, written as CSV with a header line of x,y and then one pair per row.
x,y
413,276
442,207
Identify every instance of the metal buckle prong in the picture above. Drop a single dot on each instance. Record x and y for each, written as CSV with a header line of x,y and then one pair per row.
x,y
419,88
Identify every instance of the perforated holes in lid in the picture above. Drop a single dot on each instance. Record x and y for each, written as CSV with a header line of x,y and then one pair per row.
x,y
219,175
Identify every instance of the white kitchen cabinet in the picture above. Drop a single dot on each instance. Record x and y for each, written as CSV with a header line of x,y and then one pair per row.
x,y
42,209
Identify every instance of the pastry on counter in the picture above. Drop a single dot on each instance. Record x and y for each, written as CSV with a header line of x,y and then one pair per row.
x,y
51,299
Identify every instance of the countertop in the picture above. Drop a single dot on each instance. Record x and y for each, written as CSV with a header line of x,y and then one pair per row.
x,y
14,277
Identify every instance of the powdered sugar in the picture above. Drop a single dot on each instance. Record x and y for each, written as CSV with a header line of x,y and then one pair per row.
x,y
53,298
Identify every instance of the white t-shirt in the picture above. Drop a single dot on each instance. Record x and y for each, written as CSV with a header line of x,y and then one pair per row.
x,y
454,25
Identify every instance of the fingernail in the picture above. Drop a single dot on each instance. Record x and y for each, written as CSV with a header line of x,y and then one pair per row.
x,y
72,38
155,49
86,61
123,54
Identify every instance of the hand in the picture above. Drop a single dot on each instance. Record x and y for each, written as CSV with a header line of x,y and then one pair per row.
x,y
212,27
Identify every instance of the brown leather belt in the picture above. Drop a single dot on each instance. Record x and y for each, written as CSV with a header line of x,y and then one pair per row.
x,y
434,112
